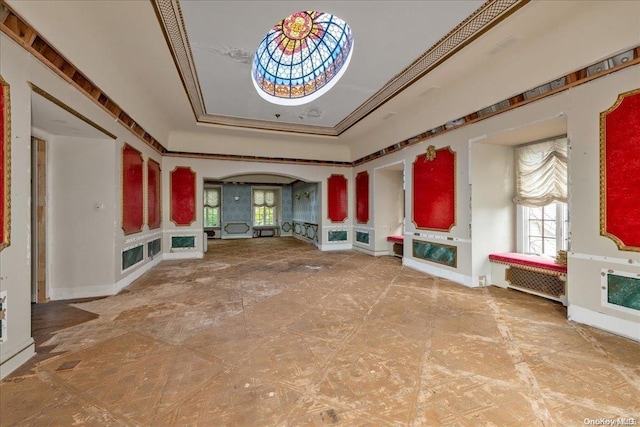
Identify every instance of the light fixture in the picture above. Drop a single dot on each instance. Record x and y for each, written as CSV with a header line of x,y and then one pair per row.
x,y
297,197
306,194
302,58
236,198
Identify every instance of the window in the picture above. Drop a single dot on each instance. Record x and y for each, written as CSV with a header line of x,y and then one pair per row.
x,y
545,229
211,207
264,207
541,195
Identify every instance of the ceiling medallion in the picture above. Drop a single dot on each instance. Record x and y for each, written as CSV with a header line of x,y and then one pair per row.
x,y
302,58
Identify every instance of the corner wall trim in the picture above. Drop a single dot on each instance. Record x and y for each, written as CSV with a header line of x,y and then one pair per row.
x,y
606,322
340,247
183,255
440,272
13,362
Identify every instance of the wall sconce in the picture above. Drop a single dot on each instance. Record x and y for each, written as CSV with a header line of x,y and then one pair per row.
x,y
306,194
297,197
236,198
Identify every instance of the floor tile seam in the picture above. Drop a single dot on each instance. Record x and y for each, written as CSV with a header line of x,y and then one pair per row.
x,y
322,374
82,398
574,400
416,288
49,406
510,317
165,347
474,337
418,410
626,372
458,374
535,397
44,363
64,341
161,412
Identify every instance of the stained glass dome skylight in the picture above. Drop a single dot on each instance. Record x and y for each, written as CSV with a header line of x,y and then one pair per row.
x,y
302,57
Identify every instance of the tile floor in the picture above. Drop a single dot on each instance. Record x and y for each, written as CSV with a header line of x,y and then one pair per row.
x,y
272,332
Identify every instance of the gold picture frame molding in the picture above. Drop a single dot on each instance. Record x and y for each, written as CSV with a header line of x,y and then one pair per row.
x,y
6,164
603,173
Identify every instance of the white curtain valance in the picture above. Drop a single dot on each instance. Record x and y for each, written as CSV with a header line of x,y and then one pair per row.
x,y
211,198
541,173
264,198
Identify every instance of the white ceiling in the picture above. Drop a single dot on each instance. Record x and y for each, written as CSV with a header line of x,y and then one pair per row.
x,y
224,35
52,119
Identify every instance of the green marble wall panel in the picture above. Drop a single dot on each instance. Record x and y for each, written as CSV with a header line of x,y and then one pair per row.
x,y
623,291
435,252
154,247
362,237
337,235
132,256
183,241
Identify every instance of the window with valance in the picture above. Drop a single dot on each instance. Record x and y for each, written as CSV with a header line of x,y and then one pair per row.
x,y
264,207
541,193
211,207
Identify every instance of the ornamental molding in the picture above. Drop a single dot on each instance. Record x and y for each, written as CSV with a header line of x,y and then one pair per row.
x,y
171,20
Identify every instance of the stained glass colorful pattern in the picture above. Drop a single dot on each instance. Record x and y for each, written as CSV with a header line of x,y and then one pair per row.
x,y
302,57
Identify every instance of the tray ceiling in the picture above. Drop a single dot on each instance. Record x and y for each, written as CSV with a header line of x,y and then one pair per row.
x,y
213,45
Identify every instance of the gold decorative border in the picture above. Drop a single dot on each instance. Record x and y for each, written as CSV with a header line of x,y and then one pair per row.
x,y
158,190
603,173
195,194
124,147
455,186
171,21
363,173
6,185
328,197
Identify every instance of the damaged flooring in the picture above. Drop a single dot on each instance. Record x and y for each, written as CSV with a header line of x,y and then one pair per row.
x,y
272,332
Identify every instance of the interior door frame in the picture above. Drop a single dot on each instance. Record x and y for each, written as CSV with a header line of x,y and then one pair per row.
x,y
38,220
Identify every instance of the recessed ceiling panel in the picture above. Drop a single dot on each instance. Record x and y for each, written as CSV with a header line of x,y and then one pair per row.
x,y
222,37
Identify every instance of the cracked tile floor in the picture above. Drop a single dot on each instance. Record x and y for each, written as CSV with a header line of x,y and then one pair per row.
x,y
272,332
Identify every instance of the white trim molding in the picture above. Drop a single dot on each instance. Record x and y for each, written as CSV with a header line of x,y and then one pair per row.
x,y
8,364
606,322
441,272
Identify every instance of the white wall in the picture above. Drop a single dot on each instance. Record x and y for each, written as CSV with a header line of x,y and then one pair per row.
x,y
216,169
388,202
82,206
492,209
19,68
590,252
15,260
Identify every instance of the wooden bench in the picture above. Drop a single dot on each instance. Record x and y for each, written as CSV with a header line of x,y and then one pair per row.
x,y
397,245
530,273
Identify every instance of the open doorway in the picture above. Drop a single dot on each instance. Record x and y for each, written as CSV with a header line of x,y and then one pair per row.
x,y
72,207
389,208
39,220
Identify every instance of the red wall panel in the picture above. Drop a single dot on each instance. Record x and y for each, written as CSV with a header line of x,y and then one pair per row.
x,y
434,190
132,190
620,171
183,195
362,197
337,194
154,188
